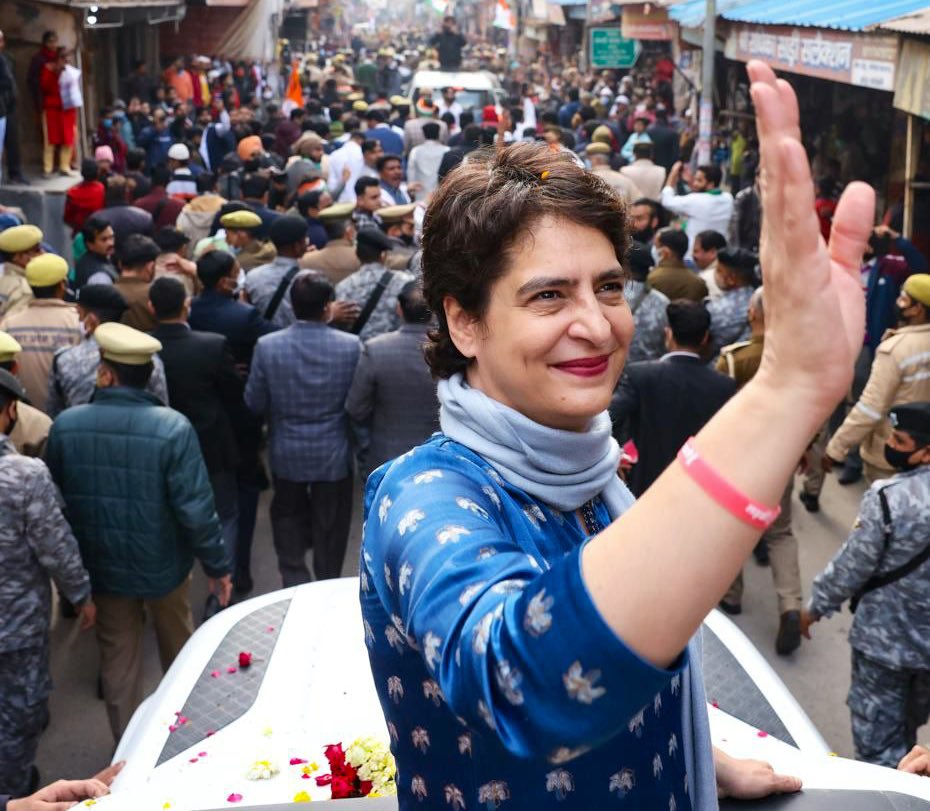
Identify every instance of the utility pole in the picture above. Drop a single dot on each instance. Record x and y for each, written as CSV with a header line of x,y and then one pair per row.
x,y
706,120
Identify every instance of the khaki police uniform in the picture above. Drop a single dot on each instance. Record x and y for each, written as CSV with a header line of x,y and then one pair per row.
x,y
741,361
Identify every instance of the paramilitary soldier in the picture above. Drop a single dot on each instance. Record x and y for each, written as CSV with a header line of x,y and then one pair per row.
x,y
882,569
35,544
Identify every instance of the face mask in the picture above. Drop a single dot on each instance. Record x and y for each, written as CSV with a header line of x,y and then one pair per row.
x,y
84,331
903,317
108,122
899,459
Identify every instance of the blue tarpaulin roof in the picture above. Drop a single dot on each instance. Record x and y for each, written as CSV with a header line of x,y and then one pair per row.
x,y
851,15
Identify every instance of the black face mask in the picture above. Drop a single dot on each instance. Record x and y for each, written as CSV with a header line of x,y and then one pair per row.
x,y
902,314
899,459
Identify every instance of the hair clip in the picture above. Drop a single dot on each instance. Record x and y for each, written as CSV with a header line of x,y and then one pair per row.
x,y
544,175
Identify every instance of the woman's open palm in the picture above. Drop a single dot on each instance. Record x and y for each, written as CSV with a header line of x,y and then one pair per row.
x,y
814,305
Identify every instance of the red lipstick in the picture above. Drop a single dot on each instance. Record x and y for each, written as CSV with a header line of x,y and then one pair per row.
x,y
585,367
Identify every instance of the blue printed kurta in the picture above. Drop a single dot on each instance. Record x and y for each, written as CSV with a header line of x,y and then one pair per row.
x,y
500,682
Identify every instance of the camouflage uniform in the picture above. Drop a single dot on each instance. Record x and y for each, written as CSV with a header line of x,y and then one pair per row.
x,y
729,317
360,285
889,697
73,377
35,543
262,283
648,307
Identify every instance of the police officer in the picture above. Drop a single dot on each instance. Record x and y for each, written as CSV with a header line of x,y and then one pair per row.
x,y
883,567
399,225
241,228
32,426
46,324
18,245
338,259
35,544
778,544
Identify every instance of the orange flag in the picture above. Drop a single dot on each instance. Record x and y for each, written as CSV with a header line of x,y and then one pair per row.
x,y
295,95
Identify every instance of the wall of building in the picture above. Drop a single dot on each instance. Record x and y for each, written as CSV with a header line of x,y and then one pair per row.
x,y
200,32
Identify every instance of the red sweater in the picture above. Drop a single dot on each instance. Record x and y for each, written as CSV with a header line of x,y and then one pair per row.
x,y
81,201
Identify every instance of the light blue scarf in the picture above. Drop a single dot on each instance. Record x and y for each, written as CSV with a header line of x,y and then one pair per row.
x,y
561,468
565,469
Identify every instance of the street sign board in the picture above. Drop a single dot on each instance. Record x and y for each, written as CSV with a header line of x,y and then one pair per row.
x,y
609,49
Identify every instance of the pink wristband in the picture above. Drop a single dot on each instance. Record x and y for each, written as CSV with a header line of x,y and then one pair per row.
x,y
725,494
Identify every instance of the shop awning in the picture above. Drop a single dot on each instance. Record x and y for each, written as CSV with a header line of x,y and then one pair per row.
x,y
916,23
849,15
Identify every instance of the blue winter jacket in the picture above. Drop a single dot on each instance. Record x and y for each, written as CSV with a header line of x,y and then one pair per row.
x,y
136,492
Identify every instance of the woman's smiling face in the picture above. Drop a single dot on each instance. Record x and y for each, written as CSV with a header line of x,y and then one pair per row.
x,y
555,335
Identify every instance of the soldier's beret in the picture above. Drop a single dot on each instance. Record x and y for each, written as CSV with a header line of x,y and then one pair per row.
x,y
392,214
9,347
287,230
338,211
360,106
913,419
374,238
123,344
103,299
46,270
243,220
20,238
11,386
399,101
916,286
598,148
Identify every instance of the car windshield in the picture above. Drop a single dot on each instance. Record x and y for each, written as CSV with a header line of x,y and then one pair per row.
x,y
469,99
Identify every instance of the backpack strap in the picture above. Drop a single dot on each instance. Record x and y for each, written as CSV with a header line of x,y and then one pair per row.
x,y
278,296
373,299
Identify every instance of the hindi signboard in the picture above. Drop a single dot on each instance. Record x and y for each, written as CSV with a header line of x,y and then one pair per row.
x,y
608,49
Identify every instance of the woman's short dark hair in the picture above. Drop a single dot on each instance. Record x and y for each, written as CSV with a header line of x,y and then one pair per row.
x,y
483,208
213,266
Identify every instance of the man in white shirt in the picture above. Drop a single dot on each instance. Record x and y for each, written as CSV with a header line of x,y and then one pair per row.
x,y
706,208
349,155
644,173
448,104
423,165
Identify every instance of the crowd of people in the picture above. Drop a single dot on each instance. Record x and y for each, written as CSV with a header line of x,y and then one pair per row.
x,y
252,284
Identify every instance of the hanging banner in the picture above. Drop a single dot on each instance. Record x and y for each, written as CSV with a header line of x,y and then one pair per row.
x,y
912,82
865,60
504,18
647,21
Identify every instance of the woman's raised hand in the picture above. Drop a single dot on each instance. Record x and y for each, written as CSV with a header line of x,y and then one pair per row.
x,y
814,304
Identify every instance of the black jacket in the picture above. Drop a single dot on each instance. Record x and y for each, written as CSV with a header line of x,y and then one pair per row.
x,y
665,148
204,386
89,264
659,404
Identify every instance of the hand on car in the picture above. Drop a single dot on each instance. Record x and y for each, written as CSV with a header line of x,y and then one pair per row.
x,y
750,779
917,761
60,796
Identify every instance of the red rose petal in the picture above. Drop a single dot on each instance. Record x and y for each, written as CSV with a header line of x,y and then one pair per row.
x,y
201,754
234,798
762,733
245,659
305,777
215,674
270,629
171,727
296,761
193,760
231,669
211,732
324,779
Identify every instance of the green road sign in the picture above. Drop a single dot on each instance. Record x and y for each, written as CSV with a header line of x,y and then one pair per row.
x,y
608,49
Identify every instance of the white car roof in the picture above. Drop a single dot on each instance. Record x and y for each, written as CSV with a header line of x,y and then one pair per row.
x,y
467,80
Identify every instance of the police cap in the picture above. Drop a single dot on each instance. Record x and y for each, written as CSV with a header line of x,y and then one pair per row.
x,y
10,386
122,344
20,238
46,270
916,286
9,347
103,300
338,211
287,230
598,148
242,220
912,419
394,214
